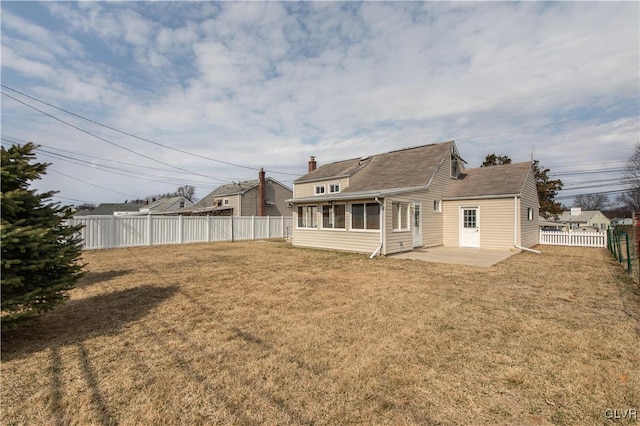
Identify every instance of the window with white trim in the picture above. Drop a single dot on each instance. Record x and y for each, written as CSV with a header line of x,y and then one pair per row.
x,y
437,206
400,219
307,216
319,189
333,216
365,216
334,187
225,201
529,213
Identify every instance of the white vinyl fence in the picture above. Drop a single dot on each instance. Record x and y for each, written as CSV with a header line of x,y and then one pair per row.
x,y
573,238
101,232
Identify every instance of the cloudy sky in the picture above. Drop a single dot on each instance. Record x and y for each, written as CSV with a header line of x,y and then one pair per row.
x,y
203,93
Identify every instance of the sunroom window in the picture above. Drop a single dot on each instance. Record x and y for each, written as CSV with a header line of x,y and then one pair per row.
x,y
365,216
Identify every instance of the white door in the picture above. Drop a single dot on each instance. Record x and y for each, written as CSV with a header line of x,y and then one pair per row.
x,y
469,227
417,224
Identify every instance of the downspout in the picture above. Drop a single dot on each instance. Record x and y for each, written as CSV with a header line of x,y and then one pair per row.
x,y
381,228
515,228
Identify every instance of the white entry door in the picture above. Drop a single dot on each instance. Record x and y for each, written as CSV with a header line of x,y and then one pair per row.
x,y
417,224
469,227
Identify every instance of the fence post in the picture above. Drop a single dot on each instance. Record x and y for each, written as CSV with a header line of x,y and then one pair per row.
x,y
619,248
180,236
112,232
208,228
149,230
626,236
232,230
268,227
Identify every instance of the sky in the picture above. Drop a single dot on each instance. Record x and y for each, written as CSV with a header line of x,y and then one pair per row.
x,y
131,99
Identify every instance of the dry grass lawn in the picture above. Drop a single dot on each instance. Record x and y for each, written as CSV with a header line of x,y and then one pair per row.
x,y
265,333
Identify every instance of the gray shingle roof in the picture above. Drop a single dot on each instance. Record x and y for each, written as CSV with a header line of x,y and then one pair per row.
x,y
505,179
164,204
224,191
404,168
410,167
331,170
109,208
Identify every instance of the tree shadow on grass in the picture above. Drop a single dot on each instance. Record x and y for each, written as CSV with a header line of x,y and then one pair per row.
x,y
91,278
78,320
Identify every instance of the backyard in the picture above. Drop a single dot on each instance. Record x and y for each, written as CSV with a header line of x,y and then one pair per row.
x,y
265,333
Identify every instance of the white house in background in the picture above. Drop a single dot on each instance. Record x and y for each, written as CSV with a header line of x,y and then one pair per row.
x,y
159,207
576,218
412,198
166,205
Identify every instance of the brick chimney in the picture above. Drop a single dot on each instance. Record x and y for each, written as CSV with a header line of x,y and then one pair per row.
x,y
312,163
261,185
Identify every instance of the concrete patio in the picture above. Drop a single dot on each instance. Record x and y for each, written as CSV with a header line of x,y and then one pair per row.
x,y
457,256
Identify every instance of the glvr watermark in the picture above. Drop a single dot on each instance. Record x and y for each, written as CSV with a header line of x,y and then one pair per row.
x,y
621,413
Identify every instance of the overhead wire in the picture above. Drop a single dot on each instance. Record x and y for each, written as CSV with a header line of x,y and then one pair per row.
x,y
89,183
141,138
104,139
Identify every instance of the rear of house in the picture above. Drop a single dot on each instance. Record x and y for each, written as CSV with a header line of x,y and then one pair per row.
x,y
411,198
493,207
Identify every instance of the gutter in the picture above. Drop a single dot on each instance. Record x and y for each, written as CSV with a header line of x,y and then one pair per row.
x,y
515,228
381,229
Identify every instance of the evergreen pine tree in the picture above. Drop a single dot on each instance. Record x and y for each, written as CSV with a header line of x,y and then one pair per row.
x,y
39,252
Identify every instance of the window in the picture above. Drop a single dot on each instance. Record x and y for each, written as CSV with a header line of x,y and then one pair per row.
x,y
437,206
182,204
529,213
334,187
365,216
400,219
225,202
469,218
319,189
333,216
307,216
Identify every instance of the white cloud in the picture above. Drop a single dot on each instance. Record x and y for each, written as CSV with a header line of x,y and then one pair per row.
x,y
271,83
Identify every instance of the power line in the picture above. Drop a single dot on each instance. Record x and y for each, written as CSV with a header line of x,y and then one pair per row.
x,y
143,139
103,139
587,172
89,183
121,172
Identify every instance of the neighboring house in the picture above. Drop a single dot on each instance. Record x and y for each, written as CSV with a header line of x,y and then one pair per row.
x,y
112,209
412,198
166,205
576,218
260,197
161,206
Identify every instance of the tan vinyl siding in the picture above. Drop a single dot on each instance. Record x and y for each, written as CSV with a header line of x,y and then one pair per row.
x,y
335,239
529,229
398,241
432,230
363,242
496,222
301,190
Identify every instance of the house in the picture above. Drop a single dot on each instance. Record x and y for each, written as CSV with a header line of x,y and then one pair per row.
x,y
112,209
415,197
261,197
161,206
166,205
576,218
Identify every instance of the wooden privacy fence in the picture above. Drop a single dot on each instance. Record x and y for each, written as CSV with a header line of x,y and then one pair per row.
x,y
573,238
100,232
